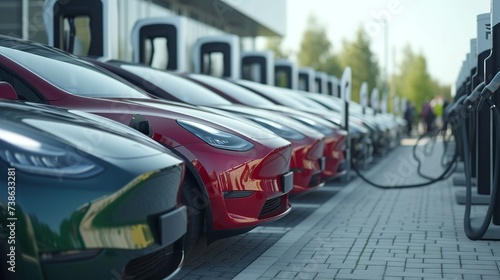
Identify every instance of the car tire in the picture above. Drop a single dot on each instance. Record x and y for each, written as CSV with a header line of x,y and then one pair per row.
x,y
193,199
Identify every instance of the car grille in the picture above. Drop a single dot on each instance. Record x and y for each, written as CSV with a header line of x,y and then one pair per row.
x,y
315,180
270,206
151,265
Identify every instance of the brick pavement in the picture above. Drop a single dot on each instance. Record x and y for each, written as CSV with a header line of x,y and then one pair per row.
x,y
361,232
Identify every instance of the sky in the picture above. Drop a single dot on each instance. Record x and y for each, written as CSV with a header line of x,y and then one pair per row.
x,y
439,29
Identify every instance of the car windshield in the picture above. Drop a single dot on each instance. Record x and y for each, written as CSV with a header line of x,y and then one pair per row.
x,y
181,88
70,74
302,97
239,93
356,107
286,97
326,101
272,93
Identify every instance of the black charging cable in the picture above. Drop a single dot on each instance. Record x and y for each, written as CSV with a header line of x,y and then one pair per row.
x,y
444,175
428,152
453,113
484,97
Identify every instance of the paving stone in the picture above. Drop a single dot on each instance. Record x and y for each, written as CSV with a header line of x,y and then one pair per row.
x,y
306,275
399,234
376,268
374,262
359,275
472,271
488,277
286,275
422,265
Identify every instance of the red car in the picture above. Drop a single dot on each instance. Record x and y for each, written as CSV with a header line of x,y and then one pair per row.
x,y
335,137
308,160
237,173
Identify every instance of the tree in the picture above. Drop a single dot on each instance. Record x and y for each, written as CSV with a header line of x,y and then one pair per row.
x,y
316,49
274,44
359,56
413,80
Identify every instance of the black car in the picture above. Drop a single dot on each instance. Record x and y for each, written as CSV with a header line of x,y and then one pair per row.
x,y
85,198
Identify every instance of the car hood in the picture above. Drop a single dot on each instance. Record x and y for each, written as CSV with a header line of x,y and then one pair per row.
x,y
92,134
183,111
330,117
242,111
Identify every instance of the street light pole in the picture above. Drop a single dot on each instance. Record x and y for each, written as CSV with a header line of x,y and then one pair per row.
x,y
386,60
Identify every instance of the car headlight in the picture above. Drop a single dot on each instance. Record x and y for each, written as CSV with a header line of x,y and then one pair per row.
x,y
313,124
31,156
281,130
216,138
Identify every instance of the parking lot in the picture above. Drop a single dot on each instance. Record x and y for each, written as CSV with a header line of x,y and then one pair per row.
x,y
356,231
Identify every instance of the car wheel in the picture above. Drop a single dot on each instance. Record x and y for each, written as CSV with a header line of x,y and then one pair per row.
x,y
193,199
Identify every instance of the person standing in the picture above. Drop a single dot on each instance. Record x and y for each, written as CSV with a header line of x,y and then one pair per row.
x,y
409,116
428,117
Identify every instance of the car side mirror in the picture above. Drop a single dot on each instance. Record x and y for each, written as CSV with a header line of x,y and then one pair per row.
x,y
7,91
139,123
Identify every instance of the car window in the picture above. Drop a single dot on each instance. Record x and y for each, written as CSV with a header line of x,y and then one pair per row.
x,y
301,97
181,88
23,91
275,94
239,93
72,75
326,101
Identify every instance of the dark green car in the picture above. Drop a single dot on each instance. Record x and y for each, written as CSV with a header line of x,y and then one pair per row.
x,y
82,197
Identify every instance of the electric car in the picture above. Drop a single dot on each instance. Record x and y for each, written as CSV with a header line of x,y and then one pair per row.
x,y
361,145
379,134
335,136
282,104
389,123
311,163
78,206
237,174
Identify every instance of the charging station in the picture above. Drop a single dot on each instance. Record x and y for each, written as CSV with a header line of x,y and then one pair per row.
x,y
160,43
306,79
363,96
346,86
491,69
395,106
486,226
321,82
470,87
460,91
483,118
459,178
286,74
374,104
384,103
258,66
404,106
480,196
333,86
217,56
83,27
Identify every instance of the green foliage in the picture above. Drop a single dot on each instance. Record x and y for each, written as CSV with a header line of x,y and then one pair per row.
x,y
359,56
274,44
414,81
332,66
316,49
